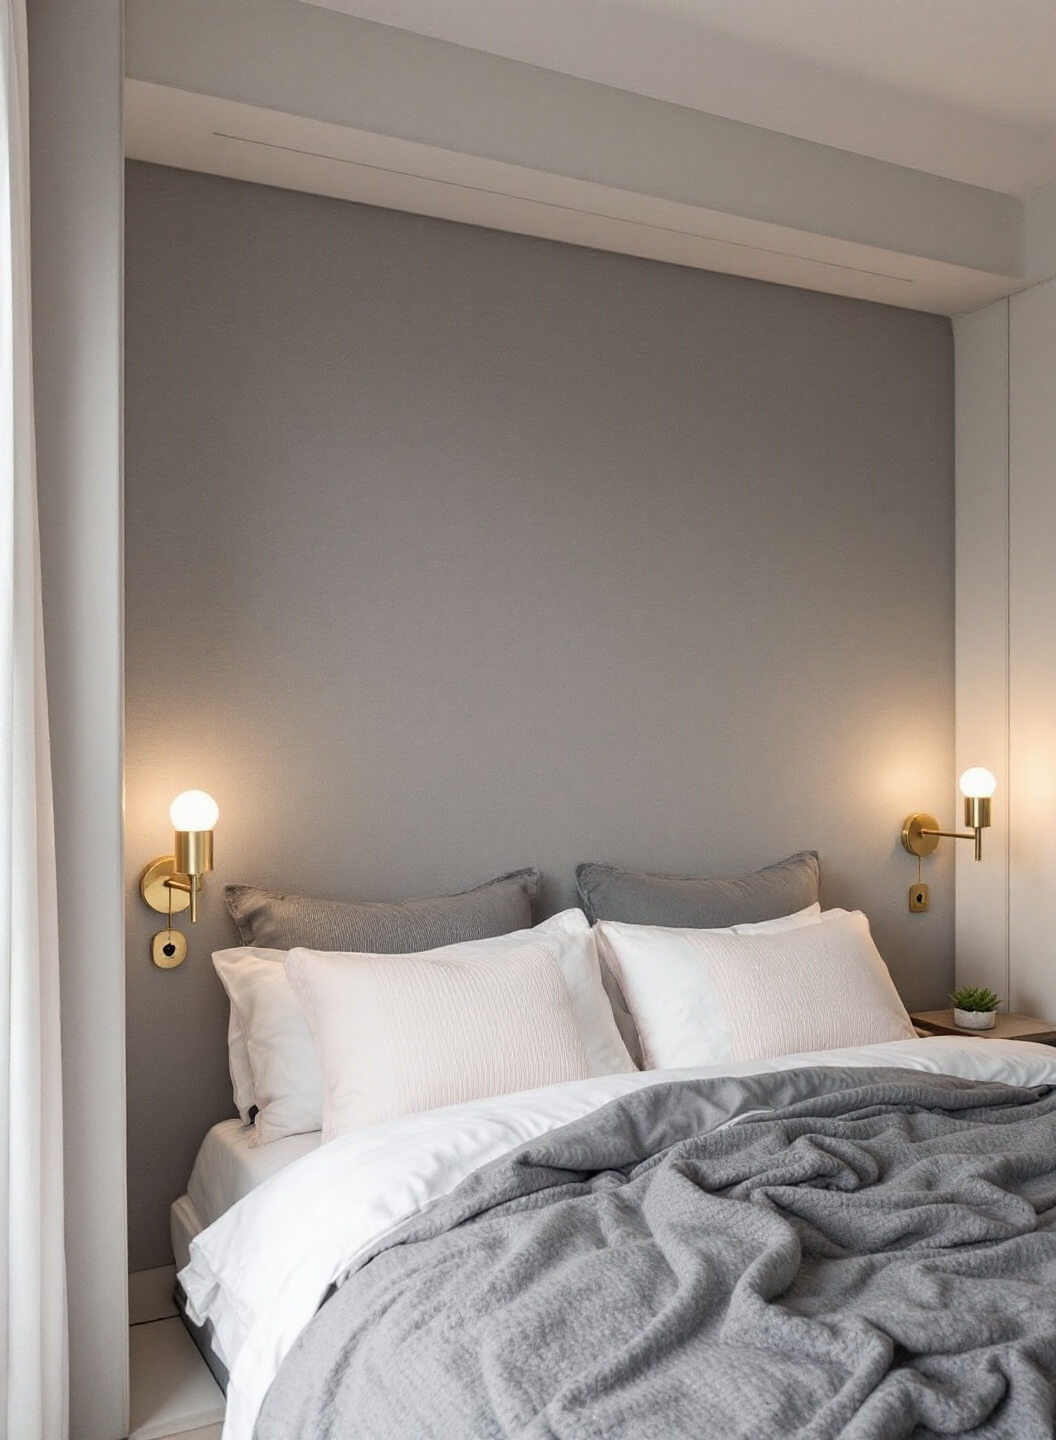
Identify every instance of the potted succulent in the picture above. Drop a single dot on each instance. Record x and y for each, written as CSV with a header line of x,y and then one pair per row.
x,y
975,1007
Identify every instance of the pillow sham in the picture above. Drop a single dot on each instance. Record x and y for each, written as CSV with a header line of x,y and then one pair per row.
x,y
276,921
700,997
637,897
401,1034
287,1081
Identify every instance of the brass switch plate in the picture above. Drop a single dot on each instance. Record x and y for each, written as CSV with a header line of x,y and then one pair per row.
x,y
168,949
918,898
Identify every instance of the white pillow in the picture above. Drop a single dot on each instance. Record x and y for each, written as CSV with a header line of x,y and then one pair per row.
x,y
287,1083
700,997
577,955
240,1069
286,1079
807,916
399,1034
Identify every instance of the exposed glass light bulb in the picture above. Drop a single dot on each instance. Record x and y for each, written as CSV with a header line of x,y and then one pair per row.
x,y
194,810
978,783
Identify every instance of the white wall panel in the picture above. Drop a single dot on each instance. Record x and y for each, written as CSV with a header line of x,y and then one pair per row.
x,y
77,179
1006,640
1032,652
981,369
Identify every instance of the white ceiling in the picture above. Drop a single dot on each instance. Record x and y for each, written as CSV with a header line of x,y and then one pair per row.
x,y
960,88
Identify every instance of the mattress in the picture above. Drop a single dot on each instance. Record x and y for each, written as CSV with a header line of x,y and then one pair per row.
x,y
228,1166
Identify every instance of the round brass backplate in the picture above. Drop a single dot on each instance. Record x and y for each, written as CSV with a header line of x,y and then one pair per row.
x,y
154,890
913,838
168,949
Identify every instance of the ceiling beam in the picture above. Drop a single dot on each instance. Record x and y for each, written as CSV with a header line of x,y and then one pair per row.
x,y
332,69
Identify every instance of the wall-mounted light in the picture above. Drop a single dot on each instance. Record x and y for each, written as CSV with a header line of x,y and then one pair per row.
x,y
921,833
172,883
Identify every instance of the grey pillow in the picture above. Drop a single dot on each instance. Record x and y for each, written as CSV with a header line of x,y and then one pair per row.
x,y
275,921
695,902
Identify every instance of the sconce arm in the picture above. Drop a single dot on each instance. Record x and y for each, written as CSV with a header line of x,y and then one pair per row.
x,y
961,834
189,885
921,833
169,890
975,834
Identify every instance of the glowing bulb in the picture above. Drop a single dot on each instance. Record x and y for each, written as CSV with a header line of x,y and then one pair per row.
x,y
194,810
977,783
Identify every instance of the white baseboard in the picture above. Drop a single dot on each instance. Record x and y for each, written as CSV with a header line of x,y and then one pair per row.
x,y
150,1295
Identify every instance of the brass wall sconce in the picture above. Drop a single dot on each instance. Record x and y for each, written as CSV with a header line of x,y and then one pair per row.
x,y
173,883
921,833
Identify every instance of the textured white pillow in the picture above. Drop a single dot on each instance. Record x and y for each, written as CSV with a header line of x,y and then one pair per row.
x,y
399,1034
286,1081
624,1021
699,997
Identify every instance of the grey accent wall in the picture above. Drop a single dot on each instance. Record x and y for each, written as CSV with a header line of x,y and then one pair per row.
x,y
449,551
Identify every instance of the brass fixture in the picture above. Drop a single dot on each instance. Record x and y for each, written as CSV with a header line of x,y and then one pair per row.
x,y
173,883
921,833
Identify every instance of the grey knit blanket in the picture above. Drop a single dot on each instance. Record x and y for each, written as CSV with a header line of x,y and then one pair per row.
x,y
813,1253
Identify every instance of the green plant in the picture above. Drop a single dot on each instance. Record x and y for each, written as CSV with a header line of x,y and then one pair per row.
x,y
975,997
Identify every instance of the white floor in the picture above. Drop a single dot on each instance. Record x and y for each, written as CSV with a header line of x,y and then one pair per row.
x,y
174,1397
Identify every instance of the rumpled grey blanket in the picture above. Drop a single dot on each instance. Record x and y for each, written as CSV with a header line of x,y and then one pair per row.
x,y
863,1253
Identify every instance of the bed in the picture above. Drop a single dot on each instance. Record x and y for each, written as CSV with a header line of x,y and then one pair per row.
x,y
798,1238
287,1251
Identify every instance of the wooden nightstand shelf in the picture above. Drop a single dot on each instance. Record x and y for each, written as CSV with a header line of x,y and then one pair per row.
x,y
1006,1027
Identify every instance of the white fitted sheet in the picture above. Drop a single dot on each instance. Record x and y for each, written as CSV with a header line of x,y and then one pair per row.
x,y
229,1166
184,1225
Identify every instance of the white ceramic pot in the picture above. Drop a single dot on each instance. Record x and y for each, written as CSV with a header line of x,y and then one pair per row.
x,y
975,1019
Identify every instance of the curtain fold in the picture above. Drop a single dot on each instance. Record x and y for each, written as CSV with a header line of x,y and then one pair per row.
x,y
33,1332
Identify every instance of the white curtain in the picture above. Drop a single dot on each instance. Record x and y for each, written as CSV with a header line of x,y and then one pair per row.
x,y
33,1345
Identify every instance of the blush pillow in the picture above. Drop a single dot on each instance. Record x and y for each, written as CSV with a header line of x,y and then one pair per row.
x,y
286,1082
701,997
398,1034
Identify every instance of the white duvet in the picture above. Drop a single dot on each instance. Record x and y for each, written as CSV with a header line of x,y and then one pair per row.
x,y
259,1273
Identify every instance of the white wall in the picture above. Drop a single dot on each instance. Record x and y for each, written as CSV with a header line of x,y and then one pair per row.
x,y
1032,645
77,190
981,652
1006,639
